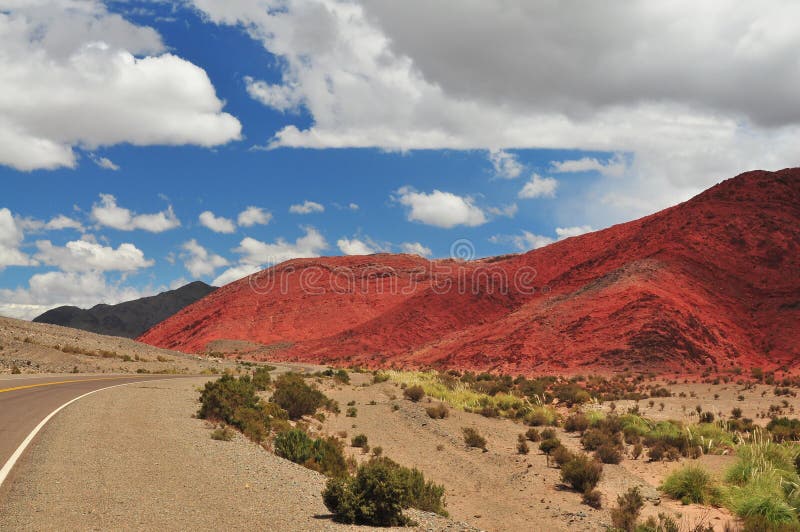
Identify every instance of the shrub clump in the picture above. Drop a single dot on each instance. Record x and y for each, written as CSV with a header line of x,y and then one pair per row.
x,y
473,439
220,399
414,393
576,423
439,411
296,397
582,473
379,492
261,378
322,454
359,440
691,485
626,513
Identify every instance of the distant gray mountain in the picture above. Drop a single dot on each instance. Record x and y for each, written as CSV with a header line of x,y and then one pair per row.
x,y
131,318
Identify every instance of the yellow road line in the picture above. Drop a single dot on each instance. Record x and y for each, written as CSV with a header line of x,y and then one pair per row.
x,y
26,386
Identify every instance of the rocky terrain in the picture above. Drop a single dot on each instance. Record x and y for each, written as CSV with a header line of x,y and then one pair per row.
x,y
707,285
131,318
27,347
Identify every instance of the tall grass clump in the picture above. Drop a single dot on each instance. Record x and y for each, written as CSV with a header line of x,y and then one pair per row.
x,y
691,485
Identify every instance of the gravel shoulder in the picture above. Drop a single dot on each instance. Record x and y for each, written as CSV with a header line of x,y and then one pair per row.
x,y
135,458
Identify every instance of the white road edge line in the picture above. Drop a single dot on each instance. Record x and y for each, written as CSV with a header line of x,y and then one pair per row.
x,y
27,441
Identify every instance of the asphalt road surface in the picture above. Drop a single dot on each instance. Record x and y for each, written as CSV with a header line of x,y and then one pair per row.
x,y
25,402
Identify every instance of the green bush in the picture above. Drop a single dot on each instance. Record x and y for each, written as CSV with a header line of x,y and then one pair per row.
x,y
261,378
577,422
691,484
296,397
351,411
322,454
562,455
533,435
784,429
220,399
414,393
342,376
223,433
582,473
626,513
294,445
549,445
473,439
359,440
609,453
252,422
379,492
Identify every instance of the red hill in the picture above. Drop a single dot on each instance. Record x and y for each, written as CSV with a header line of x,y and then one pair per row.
x,y
712,283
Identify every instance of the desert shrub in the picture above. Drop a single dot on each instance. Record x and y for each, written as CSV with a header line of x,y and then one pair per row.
x,y
626,513
439,411
379,377
522,445
351,411
666,523
489,411
691,484
593,498
379,492
784,429
582,472
533,435
377,451
636,451
541,416
223,433
359,440
571,394
294,445
662,451
261,378
296,397
548,434
609,454
706,417
252,422
342,376
473,439
414,393
15,370
220,399
562,455
593,439
549,445
576,423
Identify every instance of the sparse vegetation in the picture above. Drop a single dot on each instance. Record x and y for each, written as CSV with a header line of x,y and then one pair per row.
x,y
473,439
439,411
414,393
582,472
626,513
691,485
296,397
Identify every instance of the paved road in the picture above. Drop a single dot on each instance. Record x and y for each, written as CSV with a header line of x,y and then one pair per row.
x,y
26,401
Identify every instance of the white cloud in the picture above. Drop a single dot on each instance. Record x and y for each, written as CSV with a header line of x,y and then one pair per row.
x,y
104,163
354,246
307,207
107,213
415,248
280,97
256,255
614,167
527,240
353,206
441,209
505,164
566,232
509,211
53,289
199,261
400,76
539,187
63,222
73,74
11,237
218,224
86,255
254,216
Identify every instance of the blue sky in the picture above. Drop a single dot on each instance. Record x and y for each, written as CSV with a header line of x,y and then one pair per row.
x,y
176,109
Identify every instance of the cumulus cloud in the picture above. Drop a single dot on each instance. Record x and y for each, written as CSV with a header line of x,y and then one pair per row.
x,y
107,213
11,237
199,261
53,289
441,209
87,255
415,248
73,74
354,246
307,207
613,167
254,216
509,211
730,103
527,240
280,97
256,255
218,224
538,187
505,164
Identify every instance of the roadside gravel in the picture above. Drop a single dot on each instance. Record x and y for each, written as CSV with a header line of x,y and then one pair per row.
x,y
134,458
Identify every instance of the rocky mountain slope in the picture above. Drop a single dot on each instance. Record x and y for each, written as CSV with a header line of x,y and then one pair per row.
x,y
710,284
131,318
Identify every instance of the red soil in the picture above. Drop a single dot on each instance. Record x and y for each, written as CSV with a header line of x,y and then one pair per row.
x,y
712,283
